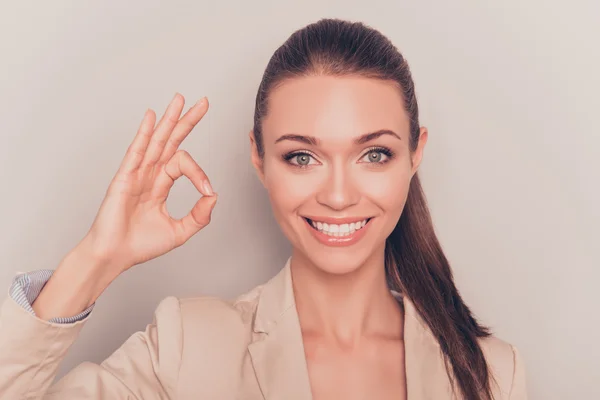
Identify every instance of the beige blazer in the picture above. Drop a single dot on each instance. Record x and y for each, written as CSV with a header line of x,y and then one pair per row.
x,y
205,348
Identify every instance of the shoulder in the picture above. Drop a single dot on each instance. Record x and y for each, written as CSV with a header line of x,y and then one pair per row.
x,y
210,320
506,367
210,310
225,315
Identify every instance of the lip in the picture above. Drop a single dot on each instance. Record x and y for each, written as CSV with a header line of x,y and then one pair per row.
x,y
337,221
337,241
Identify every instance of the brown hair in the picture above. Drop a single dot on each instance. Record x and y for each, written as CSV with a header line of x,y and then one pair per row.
x,y
415,262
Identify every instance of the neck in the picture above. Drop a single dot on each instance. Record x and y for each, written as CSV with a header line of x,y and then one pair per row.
x,y
345,307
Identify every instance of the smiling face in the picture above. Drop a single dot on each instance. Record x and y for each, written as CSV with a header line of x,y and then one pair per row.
x,y
337,166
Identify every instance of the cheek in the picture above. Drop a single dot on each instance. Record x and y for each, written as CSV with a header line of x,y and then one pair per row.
x,y
287,190
387,189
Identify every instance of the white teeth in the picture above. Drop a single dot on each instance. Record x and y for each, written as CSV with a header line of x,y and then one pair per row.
x,y
339,230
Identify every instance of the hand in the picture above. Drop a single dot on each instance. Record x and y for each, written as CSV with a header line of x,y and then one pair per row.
x,y
133,224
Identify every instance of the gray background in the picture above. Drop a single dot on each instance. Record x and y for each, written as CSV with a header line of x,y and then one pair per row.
x,y
509,91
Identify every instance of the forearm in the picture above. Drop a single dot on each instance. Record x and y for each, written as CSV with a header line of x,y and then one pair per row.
x,y
77,282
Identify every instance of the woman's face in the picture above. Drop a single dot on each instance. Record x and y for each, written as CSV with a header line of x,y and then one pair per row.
x,y
337,166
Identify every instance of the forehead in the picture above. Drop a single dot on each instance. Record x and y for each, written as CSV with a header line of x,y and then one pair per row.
x,y
331,108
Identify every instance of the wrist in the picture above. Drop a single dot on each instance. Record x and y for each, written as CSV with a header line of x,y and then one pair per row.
x,y
76,284
88,273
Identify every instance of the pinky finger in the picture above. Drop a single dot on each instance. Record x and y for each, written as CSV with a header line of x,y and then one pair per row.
x,y
137,148
197,219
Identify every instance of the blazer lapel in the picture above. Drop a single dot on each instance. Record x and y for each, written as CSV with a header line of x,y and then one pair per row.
x,y
278,358
278,350
426,376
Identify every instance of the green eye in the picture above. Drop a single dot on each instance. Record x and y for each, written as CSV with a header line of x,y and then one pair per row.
x,y
299,159
378,155
302,159
375,156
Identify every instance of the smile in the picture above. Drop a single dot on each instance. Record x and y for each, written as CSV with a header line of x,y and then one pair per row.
x,y
338,234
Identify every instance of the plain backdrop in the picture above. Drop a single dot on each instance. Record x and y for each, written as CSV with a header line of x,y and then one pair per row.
x,y
509,91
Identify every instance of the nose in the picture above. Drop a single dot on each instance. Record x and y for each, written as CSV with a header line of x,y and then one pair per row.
x,y
339,190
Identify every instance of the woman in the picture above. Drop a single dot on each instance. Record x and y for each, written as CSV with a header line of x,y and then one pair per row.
x,y
365,307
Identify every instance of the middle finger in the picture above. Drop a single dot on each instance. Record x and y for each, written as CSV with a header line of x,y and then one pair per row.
x,y
163,130
183,128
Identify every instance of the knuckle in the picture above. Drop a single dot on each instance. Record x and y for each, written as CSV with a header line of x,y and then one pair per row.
x,y
173,143
182,153
188,124
134,151
203,220
160,141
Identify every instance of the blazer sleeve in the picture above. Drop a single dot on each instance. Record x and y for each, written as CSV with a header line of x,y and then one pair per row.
x,y
518,390
26,287
145,367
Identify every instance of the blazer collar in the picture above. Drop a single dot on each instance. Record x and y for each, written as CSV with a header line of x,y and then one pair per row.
x,y
279,361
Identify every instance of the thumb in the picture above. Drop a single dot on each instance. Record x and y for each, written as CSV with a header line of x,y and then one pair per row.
x,y
198,218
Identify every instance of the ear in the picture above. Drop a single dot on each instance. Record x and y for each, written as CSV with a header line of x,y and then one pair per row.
x,y
418,153
255,158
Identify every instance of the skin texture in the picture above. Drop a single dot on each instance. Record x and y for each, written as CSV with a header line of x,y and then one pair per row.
x,y
351,323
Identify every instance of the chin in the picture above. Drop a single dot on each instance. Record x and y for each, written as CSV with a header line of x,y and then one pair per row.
x,y
336,262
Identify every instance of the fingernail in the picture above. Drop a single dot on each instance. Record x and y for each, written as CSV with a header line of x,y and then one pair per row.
x,y
208,188
201,101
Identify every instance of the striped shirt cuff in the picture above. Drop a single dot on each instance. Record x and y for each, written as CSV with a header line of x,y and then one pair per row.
x,y
26,287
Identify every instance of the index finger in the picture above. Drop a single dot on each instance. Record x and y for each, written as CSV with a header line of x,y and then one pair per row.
x,y
183,128
181,164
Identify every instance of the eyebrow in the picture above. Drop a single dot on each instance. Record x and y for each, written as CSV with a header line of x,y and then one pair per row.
x,y
313,141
